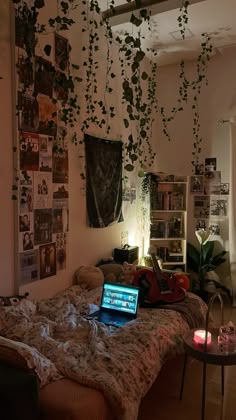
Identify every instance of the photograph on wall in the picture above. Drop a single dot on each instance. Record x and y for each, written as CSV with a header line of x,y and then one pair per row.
x,y
219,206
61,250
47,260
47,115
45,153
60,215
60,158
126,194
224,188
60,191
61,90
212,181
29,151
214,228
42,190
26,199
28,113
196,184
25,71
201,224
210,164
24,28
132,194
26,241
25,222
61,52
42,226
26,178
201,206
43,80
29,266
199,169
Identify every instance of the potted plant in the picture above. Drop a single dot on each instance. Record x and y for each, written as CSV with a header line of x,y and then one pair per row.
x,y
203,260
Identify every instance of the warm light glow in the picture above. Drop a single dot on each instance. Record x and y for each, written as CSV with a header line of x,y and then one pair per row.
x,y
199,338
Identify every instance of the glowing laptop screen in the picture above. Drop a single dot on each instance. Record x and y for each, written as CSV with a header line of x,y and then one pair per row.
x,y
120,298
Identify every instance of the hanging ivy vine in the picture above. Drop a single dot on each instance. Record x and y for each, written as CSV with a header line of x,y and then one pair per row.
x,y
139,85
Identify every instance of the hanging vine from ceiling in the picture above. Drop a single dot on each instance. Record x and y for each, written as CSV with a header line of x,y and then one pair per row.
x,y
138,74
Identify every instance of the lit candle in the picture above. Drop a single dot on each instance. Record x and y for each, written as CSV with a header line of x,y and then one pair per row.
x,y
200,336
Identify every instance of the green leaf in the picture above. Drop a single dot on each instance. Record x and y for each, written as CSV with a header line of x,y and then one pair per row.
x,y
126,123
47,49
129,167
144,75
207,251
39,4
193,257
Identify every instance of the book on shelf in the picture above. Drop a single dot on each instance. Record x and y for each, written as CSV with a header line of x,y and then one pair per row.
x,y
172,228
167,200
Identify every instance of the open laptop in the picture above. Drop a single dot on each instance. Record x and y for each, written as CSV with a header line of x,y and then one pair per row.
x,y
119,304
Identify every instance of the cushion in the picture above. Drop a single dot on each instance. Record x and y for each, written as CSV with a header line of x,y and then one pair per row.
x,y
89,277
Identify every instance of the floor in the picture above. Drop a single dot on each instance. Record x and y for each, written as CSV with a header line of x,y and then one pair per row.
x,y
162,401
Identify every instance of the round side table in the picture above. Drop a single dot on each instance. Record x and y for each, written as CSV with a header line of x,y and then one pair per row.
x,y
212,356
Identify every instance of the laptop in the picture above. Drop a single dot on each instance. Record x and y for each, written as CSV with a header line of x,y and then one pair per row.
x,y
119,304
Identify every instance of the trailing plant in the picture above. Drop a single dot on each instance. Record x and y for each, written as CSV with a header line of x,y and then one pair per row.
x,y
139,85
149,184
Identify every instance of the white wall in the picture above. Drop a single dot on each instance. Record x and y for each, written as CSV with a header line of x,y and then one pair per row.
x,y
217,102
85,245
6,158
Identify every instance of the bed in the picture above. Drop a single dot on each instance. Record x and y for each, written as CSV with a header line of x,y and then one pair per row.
x,y
88,370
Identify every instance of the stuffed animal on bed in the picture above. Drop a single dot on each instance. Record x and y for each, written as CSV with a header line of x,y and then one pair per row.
x,y
127,275
12,300
89,277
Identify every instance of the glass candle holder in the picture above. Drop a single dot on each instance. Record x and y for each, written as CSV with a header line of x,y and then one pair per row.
x,y
227,339
200,337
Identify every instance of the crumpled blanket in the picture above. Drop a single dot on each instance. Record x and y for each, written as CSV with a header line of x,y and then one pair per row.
x,y
123,363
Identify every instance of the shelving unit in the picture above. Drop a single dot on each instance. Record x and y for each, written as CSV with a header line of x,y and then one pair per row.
x,y
168,220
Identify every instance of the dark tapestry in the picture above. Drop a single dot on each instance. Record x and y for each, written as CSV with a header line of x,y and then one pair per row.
x,y
103,181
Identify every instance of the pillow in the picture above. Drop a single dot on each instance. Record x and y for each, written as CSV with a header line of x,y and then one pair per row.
x,y
28,358
89,277
12,300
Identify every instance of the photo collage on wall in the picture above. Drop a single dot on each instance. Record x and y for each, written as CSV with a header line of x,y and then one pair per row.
x,y
210,196
43,209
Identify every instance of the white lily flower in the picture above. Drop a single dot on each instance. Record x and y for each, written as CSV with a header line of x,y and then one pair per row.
x,y
203,236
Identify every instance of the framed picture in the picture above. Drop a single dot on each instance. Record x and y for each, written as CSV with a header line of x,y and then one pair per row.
x,y
43,77
47,258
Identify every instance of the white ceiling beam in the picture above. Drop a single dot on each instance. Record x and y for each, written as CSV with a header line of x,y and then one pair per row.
x,y
123,12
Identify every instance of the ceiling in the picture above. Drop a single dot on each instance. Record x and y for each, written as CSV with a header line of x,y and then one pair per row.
x,y
216,17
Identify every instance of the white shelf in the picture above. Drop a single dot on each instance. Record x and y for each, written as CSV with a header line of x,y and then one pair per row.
x,y
173,263
167,239
162,221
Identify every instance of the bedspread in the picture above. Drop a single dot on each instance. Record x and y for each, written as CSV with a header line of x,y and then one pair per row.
x,y
121,362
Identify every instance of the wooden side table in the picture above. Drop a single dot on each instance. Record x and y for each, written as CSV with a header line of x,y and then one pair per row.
x,y
211,355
